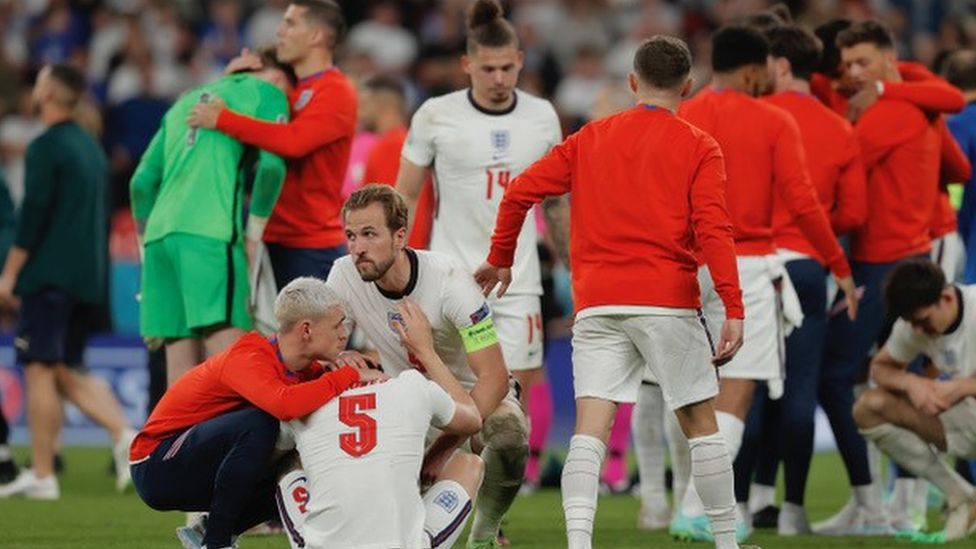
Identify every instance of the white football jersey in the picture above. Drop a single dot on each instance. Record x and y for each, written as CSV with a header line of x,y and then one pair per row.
x,y
444,290
362,453
474,154
953,353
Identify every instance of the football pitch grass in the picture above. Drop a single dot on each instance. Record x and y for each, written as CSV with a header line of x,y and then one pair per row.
x,y
91,515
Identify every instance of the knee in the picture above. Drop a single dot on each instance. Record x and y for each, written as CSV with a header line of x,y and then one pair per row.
x,y
869,408
261,427
506,432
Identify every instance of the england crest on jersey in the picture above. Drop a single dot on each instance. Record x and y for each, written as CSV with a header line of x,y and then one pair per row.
x,y
500,141
303,99
393,318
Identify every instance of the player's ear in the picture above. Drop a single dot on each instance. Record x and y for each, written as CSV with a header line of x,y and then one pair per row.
x,y
521,60
466,63
632,82
686,87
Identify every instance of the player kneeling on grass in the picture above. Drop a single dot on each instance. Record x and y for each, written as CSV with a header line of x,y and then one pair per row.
x,y
907,414
208,444
362,456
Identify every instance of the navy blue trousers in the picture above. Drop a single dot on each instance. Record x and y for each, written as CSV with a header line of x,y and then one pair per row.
x,y
221,466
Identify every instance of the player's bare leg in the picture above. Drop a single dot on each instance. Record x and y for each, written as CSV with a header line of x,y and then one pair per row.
x,y
448,501
907,435
44,422
219,339
92,395
526,379
181,355
505,436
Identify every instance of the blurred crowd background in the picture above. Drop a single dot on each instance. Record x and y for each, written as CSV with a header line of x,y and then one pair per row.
x,y
140,55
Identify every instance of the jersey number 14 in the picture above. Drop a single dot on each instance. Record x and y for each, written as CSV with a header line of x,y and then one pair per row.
x,y
499,177
351,412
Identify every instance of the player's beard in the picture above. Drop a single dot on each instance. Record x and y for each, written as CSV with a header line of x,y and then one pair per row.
x,y
370,271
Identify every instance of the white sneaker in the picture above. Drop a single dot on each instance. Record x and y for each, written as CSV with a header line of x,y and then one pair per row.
x,y
839,523
31,487
961,521
792,520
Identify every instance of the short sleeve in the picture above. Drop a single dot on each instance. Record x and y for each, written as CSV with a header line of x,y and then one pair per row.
x,y
419,145
555,128
904,344
442,406
464,304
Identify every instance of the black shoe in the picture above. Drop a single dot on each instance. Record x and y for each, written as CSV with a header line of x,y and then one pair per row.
x,y
8,471
767,517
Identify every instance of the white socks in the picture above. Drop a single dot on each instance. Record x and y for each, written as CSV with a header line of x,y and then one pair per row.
x,y
580,484
760,497
711,471
292,497
731,428
647,427
916,455
444,523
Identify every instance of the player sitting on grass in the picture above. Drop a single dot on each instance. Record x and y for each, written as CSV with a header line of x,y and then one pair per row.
x,y
912,418
362,456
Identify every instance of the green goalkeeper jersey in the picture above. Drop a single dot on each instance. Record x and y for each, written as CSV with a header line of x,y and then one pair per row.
x,y
192,181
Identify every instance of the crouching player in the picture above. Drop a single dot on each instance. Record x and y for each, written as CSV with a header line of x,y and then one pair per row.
x,y
209,442
913,418
362,455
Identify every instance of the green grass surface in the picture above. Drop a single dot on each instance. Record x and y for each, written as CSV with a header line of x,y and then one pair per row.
x,y
91,515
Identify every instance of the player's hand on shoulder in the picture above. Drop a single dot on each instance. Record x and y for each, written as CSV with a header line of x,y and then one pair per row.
x,y
247,60
205,115
370,375
487,276
415,333
355,359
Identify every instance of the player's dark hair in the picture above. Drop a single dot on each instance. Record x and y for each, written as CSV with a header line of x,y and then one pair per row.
x,y
394,207
326,13
960,69
777,15
736,46
912,285
870,32
487,27
798,46
663,62
385,84
72,84
830,55
269,60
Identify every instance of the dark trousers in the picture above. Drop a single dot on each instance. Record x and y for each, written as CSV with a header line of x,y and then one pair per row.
x,y
291,263
845,363
783,429
222,466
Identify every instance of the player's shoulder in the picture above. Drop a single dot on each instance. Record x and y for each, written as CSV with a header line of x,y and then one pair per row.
x,y
249,343
447,102
437,261
343,269
968,292
893,111
533,103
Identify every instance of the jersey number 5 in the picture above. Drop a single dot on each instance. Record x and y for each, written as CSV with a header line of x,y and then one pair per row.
x,y
500,177
363,440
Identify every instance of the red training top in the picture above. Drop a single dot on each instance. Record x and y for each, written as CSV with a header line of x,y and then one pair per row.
x,y
646,185
248,372
834,164
900,149
316,145
764,155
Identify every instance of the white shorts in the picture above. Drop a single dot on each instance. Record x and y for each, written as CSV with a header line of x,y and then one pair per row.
x,y
762,354
949,252
611,354
518,323
959,423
